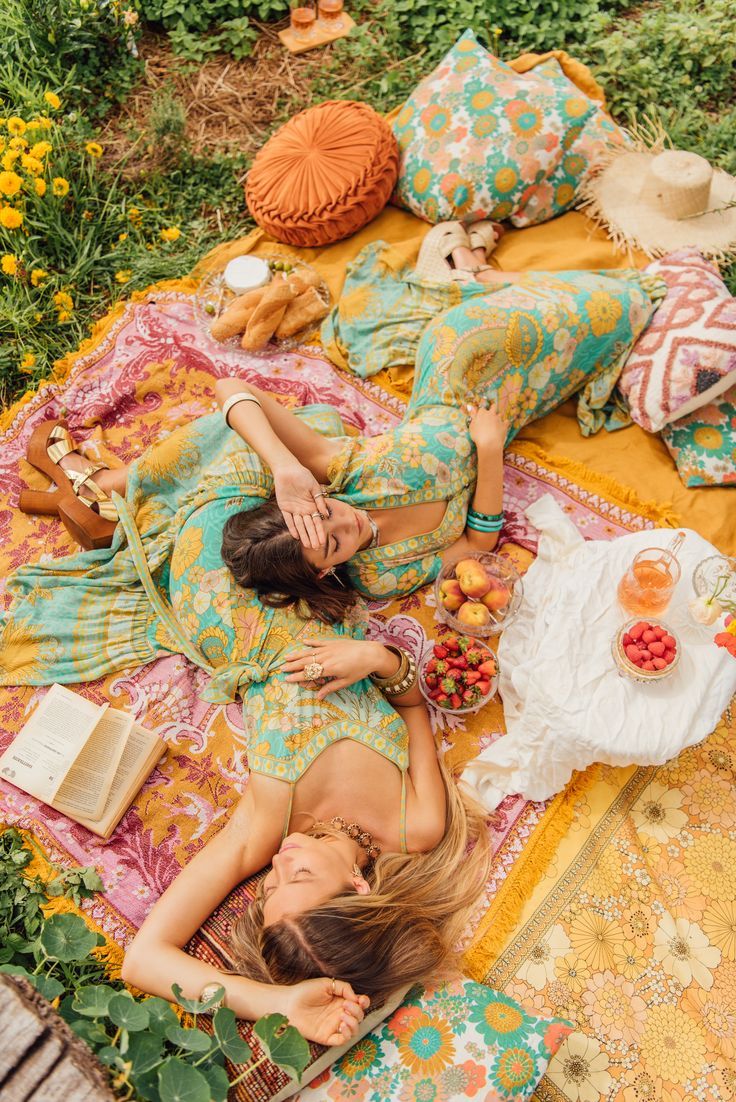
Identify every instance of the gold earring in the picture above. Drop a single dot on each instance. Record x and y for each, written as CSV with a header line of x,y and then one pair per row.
x,y
333,573
356,870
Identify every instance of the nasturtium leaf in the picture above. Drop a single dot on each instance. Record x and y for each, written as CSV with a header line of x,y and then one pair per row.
x,y
218,1081
144,1052
160,1015
93,1001
15,970
127,1013
180,1082
48,986
283,1043
193,1040
66,938
108,1055
195,1006
226,1031
91,1032
66,1009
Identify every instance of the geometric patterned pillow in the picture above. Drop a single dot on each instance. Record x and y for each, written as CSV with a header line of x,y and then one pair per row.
x,y
687,355
703,444
479,140
456,1040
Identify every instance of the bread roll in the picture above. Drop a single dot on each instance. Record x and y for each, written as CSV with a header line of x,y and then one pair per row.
x,y
268,314
306,309
234,319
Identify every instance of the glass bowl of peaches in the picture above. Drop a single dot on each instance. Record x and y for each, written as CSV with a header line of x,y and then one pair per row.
x,y
478,594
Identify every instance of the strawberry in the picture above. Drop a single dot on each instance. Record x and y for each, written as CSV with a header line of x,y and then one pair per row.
x,y
441,667
488,668
449,685
464,644
455,700
440,651
468,695
434,694
431,679
472,676
442,700
657,648
474,657
638,630
669,656
460,663
670,642
659,632
484,686
659,663
431,665
453,644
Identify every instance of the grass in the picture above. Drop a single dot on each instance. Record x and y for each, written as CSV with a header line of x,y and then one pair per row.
x,y
178,135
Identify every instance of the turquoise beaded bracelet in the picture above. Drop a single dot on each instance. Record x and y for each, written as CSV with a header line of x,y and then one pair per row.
x,y
483,522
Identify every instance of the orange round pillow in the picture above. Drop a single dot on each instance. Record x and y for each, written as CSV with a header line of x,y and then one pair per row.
x,y
324,175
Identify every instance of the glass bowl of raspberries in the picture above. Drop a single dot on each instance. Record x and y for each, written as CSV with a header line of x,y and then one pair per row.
x,y
646,650
458,674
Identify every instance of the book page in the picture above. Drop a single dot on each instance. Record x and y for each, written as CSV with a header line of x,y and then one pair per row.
x,y
43,751
87,784
142,750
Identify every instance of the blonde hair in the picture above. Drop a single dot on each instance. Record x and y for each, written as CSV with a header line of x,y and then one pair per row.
x,y
405,931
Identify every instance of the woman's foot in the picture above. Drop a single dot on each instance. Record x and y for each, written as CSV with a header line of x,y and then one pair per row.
x,y
108,479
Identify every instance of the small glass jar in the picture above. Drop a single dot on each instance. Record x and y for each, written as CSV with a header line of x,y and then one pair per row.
x,y
331,14
303,17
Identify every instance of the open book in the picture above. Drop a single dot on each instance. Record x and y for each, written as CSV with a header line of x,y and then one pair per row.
x,y
83,759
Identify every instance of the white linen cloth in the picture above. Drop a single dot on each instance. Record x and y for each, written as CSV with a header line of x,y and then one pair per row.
x,y
565,703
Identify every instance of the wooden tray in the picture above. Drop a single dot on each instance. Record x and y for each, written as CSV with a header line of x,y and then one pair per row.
x,y
321,37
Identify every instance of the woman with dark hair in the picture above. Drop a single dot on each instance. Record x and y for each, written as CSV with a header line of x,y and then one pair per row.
x,y
379,903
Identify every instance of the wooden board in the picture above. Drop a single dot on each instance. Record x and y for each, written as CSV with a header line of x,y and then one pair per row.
x,y
321,37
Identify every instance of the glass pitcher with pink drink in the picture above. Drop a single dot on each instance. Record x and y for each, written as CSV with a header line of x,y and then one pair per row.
x,y
647,586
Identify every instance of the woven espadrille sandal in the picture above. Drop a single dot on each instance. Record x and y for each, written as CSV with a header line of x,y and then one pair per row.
x,y
433,261
485,235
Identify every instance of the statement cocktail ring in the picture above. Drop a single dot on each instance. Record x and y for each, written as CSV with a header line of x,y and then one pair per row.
x,y
313,671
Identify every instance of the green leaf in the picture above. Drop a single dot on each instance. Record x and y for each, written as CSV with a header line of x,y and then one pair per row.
x,y
218,1081
91,1032
48,986
108,1055
193,1040
283,1043
160,1015
144,1052
93,1001
226,1031
194,1006
180,1082
126,1013
66,938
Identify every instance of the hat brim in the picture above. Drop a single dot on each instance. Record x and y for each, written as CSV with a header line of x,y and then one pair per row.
x,y
612,198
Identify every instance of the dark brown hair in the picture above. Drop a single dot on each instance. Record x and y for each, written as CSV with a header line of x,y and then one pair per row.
x,y
262,554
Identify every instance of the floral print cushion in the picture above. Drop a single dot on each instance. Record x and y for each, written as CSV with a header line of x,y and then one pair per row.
x,y
452,1041
687,355
703,444
478,140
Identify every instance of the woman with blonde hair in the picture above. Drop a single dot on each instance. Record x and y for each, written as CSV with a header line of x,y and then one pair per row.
x,y
376,856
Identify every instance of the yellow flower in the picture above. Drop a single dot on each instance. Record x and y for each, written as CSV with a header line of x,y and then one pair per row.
x,y
53,100
16,125
123,275
172,233
18,143
711,862
604,311
63,300
94,149
40,149
37,276
135,216
10,218
40,186
63,316
27,362
87,215
32,165
60,187
9,263
10,183
595,939
719,923
44,122
673,1044
122,237
8,159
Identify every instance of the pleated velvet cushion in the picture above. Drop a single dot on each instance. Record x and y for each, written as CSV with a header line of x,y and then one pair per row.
x,y
324,175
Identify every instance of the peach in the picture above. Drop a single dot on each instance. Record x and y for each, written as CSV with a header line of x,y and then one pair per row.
x,y
474,614
497,597
451,595
472,576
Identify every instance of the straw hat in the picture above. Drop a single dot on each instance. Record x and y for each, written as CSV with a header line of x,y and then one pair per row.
x,y
659,200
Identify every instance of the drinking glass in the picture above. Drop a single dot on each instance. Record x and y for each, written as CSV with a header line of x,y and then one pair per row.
x,y
330,14
647,586
303,14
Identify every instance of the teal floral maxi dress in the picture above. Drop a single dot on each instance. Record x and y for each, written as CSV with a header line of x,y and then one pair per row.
x,y
162,587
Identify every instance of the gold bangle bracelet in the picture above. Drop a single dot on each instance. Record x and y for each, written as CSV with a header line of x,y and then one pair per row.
x,y
404,678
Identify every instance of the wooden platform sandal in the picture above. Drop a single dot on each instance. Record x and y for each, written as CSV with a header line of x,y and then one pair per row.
x,y
90,521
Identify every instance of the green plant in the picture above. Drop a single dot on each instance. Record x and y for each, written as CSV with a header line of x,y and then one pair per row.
x,y
150,1054
167,124
233,36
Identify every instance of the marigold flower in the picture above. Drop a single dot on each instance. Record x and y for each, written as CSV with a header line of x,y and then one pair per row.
x,y
37,276
63,300
16,125
10,183
44,122
172,233
10,218
63,316
94,149
135,216
8,160
27,362
32,165
40,149
60,187
18,143
53,100
40,186
123,275
9,263
122,237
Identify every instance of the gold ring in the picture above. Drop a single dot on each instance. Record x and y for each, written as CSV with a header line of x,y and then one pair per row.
x,y
332,989
319,494
313,515
313,671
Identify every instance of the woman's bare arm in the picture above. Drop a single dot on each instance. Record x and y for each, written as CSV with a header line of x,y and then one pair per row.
x,y
426,803
488,431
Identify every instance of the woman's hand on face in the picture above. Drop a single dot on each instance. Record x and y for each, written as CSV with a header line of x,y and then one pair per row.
x,y
324,1010
343,662
487,428
302,501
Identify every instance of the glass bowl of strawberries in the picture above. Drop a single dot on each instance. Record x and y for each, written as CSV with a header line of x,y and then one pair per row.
x,y
478,594
645,650
458,675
